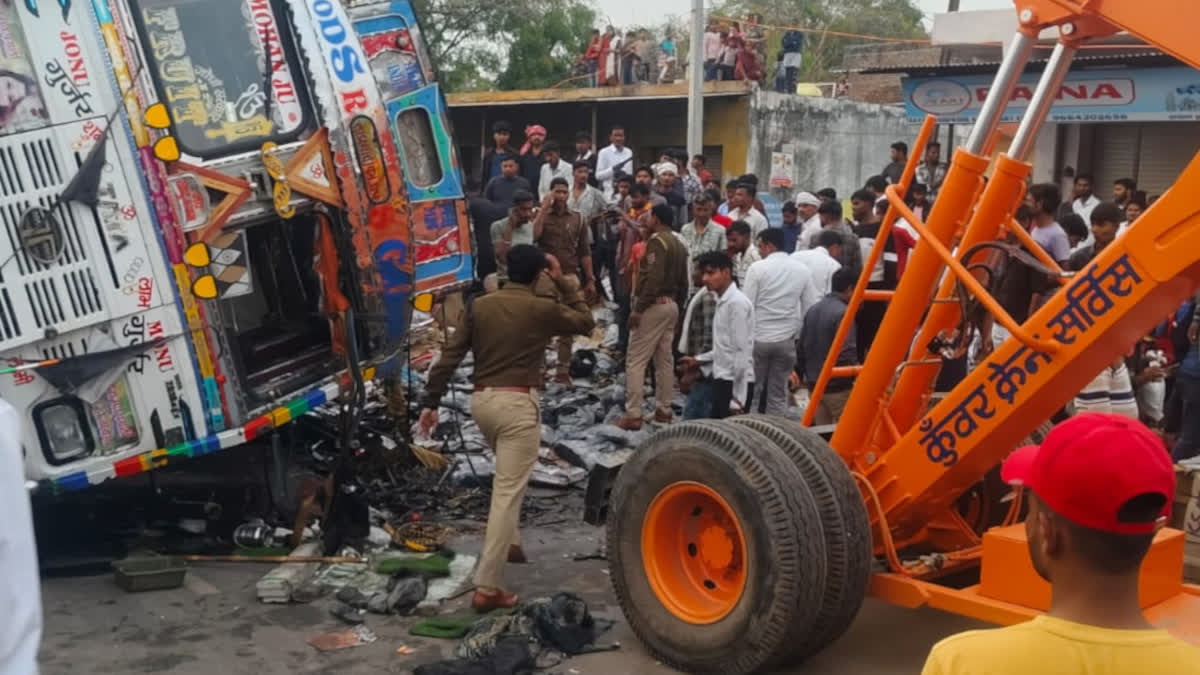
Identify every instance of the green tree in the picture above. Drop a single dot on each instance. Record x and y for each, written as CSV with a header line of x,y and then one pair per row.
x,y
823,52
543,52
485,44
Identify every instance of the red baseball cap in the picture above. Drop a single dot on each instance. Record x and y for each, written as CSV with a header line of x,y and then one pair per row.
x,y
1090,466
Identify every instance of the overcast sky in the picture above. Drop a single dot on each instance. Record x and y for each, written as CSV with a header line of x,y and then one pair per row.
x,y
626,12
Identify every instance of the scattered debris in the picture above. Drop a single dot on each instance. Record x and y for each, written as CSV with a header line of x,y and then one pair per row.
x,y
343,639
281,583
405,650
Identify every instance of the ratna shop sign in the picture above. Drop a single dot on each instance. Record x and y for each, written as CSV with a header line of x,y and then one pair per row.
x,y
1127,95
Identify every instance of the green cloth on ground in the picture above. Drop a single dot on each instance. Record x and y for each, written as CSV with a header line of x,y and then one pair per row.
x,y
435,566
450,626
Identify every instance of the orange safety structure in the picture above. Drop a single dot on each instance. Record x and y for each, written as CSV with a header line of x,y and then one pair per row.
x,y
917,457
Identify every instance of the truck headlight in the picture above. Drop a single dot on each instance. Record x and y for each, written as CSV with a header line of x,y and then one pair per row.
x,y
63,430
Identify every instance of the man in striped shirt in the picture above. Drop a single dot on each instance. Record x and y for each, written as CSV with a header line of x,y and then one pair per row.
x,y
1112,390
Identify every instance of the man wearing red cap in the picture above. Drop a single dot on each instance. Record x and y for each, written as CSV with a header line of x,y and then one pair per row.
x,y
1101,486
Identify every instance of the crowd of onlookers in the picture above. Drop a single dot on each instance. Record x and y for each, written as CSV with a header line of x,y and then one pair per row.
x,y
745,310
732,50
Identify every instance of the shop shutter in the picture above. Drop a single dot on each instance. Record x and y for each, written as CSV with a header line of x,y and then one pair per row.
x,y
1114,155
712,160
1166,150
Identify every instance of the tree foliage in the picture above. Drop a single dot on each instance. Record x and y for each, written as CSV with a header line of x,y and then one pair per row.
x,y
823,52
504,44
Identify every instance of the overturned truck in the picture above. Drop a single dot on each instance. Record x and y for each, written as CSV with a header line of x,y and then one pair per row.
x,y
217,215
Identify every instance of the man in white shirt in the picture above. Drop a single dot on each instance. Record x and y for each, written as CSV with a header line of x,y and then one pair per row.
x,y
612,159
743,209
740,247
822,259
20,587
781,291
554,167
1083,204
808,203
730,363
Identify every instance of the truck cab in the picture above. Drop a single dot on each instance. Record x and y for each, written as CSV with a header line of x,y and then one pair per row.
x,y
214,211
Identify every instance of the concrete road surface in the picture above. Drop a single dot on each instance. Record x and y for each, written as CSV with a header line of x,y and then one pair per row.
x,y
214,625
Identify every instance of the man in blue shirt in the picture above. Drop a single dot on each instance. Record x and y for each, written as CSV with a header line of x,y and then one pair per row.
x,y
792,226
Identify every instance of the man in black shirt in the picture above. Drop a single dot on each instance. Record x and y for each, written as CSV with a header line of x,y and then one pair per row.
x,y
500,190
883,276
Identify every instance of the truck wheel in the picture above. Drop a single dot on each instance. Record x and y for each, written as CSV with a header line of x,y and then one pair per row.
x,y
846,529
715,548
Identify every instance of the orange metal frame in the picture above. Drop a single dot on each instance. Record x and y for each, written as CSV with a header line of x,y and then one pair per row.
x,y
915,461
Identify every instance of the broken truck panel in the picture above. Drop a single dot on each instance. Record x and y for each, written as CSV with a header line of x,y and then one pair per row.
x,y
416,109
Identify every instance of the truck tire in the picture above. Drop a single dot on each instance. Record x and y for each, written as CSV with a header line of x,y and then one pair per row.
x,y
845,524
715,548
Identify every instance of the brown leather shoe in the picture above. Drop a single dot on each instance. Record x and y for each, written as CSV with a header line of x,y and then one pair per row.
x,y
517,555
663,418
485,602
629,423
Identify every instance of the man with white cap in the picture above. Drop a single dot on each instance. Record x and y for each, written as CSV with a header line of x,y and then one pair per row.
x,y
668,186
1099,488
807,204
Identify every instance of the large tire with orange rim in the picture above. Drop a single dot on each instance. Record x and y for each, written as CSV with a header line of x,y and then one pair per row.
x,y
845,524
716,550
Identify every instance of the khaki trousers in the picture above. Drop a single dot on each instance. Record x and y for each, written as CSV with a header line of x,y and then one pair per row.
x,y
511,423
651,339
544,286
831,407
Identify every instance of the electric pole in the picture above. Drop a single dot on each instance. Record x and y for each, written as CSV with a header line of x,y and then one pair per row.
x,y
695,131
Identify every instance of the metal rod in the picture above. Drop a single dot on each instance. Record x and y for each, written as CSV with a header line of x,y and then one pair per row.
x,y
1001,92
1043,98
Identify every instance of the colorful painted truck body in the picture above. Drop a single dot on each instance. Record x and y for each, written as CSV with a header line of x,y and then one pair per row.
x,y
193,194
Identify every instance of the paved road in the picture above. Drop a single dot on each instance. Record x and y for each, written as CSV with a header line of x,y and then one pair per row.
x,y
215,625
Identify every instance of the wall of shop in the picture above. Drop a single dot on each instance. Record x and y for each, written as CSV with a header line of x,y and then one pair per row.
x,y
814,143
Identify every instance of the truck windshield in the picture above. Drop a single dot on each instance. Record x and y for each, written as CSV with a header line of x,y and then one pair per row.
x,y
21,106
208,60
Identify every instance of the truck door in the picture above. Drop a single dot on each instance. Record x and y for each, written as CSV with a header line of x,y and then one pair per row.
x,y
416,108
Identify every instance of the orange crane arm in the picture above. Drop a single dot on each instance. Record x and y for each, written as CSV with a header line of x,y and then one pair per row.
x,y
920,460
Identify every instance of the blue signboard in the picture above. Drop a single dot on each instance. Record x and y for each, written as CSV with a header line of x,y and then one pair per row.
x,y
1118,95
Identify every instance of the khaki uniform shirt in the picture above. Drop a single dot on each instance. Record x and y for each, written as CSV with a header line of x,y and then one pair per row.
x,y
565,236
662,271
508,331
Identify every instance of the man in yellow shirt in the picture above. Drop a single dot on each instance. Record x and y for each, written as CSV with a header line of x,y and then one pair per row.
x,y
1101,487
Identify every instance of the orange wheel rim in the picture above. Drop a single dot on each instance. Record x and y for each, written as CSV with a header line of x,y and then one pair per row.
x,y
694,552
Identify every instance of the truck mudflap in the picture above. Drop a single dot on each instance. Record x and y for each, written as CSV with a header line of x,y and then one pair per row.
x,y
257,427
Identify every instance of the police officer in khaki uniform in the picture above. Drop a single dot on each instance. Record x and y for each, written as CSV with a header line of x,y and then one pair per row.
x,y
508,331
561,233
662,286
